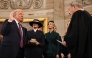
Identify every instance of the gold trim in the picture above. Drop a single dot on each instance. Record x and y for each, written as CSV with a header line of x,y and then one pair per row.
x,y
29,20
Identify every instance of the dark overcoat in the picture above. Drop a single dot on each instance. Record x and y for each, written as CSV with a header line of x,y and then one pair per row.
x,y
33,51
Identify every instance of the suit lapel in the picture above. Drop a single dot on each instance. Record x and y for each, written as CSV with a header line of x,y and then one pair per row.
x,y
37,32
15,25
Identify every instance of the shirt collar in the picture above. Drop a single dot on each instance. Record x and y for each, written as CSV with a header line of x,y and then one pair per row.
x,y
35,30
82,9
16,21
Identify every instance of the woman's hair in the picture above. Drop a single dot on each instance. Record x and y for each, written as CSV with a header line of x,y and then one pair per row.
x,y
50,21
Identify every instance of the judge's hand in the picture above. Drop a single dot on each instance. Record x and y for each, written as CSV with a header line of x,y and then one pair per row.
x,y
11,17
64,43
37,43
57,56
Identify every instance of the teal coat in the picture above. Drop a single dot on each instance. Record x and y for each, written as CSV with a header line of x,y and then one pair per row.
x,y
52,46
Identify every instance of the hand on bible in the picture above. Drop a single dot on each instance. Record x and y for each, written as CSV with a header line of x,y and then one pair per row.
x,y
64,43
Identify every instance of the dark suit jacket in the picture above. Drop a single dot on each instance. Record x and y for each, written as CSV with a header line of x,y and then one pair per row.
x,y
31,49
11,39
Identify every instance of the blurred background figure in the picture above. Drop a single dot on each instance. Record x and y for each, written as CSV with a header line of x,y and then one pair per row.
x,y
40,28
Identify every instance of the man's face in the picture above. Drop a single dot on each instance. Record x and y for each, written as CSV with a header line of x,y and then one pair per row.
x,y
19,16
71,10
35,25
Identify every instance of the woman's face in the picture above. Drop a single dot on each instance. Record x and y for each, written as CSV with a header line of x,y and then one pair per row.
x,y
51,25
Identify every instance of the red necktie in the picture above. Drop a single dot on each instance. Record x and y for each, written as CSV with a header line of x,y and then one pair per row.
x,y
21,40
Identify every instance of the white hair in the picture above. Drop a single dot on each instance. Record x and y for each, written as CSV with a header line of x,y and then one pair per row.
x,y
15,11
75,3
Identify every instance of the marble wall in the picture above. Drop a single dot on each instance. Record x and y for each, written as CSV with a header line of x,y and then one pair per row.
x,y
52,9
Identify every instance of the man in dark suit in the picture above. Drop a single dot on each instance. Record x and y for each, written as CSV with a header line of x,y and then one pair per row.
x,y
35,41
12,45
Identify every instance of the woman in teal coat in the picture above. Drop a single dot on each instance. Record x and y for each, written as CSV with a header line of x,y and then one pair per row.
x,y
52,46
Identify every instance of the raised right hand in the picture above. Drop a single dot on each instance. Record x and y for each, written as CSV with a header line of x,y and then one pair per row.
x,y
11,17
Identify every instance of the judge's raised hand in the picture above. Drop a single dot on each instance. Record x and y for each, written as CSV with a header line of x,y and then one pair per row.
x,y
63,43
11,17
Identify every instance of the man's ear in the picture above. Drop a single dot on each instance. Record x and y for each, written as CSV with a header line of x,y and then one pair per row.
x,y
74,6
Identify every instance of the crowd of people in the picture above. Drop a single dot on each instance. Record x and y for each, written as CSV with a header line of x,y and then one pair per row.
x,y
17,42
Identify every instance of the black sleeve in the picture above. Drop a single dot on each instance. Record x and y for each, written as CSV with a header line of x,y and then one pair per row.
x,y
25,36
58,44
26,40
6,27
43,40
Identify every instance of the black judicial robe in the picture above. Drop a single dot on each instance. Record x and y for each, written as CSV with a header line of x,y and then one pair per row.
x,y
31,50
79,35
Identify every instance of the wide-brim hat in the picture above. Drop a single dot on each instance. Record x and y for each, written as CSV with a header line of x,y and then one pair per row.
x,y
37,22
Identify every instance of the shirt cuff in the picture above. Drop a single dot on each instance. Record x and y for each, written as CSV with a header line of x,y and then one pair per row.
x,y
9,21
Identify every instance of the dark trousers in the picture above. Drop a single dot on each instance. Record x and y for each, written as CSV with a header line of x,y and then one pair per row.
x,y
20,53
49,56
33,52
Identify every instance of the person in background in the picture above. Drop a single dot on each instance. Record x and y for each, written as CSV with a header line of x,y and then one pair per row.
x,y
64,53
12,44
40,28
51,45
78,38
35,41
55,28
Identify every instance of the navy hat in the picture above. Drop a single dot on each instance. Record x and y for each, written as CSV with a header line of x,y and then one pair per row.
x,y
37,22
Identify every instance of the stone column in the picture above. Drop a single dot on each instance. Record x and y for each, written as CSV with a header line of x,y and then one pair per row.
x,y
59,16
